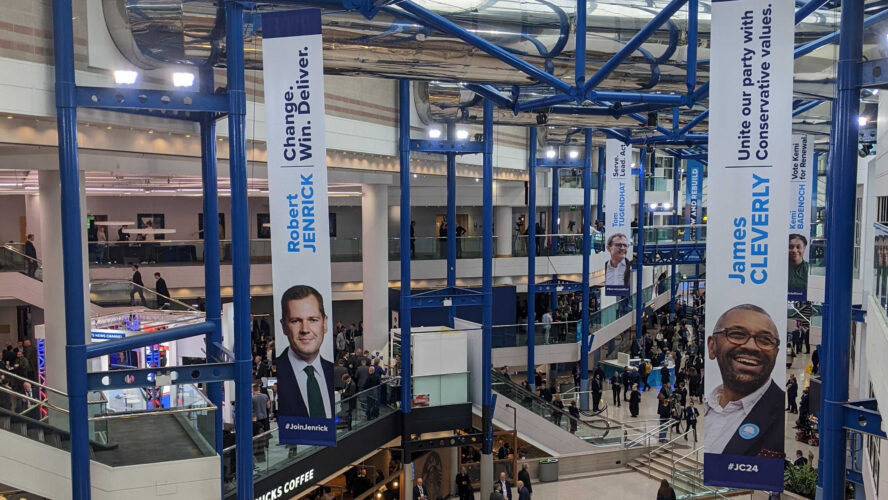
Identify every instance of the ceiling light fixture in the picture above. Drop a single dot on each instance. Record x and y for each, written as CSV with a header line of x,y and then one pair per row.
x,y
125,77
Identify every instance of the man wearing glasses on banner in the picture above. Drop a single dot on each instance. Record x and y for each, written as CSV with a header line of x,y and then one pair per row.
x,y
744,415
618,269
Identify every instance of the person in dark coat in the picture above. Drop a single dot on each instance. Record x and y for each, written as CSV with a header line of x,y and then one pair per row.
x,y
523,494
616,386
634,401
556,415
665,492
31,251
464,485
595,387
574,416
163,293
137,287
792,393
524,477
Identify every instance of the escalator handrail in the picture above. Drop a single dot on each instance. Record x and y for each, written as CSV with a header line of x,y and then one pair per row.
x,y
32,382
501,378
22,254
50,427
143,288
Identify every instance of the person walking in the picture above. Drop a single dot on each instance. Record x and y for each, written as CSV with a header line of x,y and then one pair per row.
x,y
137,287
634,401
31,252
556,415
547,325
665,492
524,477
523,493
574,416
261,404
792,393
616,386
690,415
163,293
497,493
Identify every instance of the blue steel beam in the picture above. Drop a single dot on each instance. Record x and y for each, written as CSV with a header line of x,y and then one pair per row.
x,y
580,49
146,377
72,267
693,123
601,181
587,254
556,209
633,44
487,279
531,256
558,163
442,24
841,189
212,285
449,146
806,107
808,9
451,219
639,284
863,416
491,93
813,45
240,244
676,184
405,313
691,72
145,339
117,99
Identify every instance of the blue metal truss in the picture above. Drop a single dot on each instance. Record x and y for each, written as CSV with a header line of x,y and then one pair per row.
x,y
660,254
557,285
863,416
448,296
447,146
148,377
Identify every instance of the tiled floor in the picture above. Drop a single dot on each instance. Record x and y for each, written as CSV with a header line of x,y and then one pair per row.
x,y
625,486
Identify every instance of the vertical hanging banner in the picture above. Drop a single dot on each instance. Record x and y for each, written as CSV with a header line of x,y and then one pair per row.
x,y
618,231
300,241
693,197
801,204
750,131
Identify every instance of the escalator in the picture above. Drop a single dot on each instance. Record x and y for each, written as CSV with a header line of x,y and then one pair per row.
x,y
548,427
365,422
22,278
128,449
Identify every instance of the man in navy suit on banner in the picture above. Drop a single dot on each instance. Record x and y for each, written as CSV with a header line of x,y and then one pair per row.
x,y
305,378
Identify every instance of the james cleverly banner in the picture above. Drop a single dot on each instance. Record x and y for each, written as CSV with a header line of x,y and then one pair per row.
x,y
800,206
618,191
750,132
300,239
693,197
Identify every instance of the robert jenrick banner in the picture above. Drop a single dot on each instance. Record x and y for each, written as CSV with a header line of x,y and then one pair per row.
x,y
747,229
618,198
297,178
801,203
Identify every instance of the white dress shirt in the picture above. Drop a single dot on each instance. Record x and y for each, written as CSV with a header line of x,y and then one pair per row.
x,y
302,379
721,423
615,276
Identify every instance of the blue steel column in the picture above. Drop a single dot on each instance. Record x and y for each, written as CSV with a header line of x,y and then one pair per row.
x,y
487,278
213,302
75,316
240,243
601,177
841,189
553,250
676,185
639,267
587,252
405,317
451,218
531,255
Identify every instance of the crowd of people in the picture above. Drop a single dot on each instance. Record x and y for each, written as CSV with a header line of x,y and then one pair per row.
x,y
20,360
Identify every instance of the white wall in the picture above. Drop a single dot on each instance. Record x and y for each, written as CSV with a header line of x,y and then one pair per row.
x,y
11,208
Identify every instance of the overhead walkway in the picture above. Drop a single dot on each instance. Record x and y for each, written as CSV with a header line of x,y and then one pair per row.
x,y
365,422
152,445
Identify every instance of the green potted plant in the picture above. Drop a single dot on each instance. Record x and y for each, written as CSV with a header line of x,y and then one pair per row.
x,y
801,480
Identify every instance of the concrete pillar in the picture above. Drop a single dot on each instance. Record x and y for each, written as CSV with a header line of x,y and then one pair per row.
x,y
487,478
502,224
48,206
374,247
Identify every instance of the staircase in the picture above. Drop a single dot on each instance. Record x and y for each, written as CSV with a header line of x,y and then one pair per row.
x,y
683,468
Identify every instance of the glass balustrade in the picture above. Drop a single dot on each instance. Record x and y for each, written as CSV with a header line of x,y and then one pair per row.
x,y
675,234
120,433
880,268
123,293
13,259
654,183
352,415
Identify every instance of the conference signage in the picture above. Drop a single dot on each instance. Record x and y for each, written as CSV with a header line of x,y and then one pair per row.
x,y
800,205
300,237
750,133
693,197
618,212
